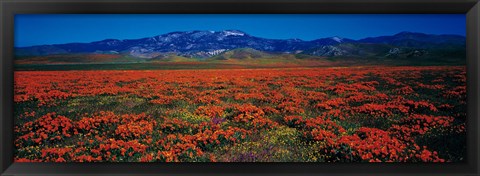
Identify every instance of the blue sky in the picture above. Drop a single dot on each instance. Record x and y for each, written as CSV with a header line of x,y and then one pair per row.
x,y
36,29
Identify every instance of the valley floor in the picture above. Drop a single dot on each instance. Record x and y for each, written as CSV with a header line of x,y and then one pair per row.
x,y
337,114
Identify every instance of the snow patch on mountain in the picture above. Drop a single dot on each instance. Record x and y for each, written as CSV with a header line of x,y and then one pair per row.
x,y
337,39
234,33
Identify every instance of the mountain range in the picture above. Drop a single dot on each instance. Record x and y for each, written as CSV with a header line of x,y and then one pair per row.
x,y
235,44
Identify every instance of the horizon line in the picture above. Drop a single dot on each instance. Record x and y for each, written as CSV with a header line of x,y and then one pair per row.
x,y
330,36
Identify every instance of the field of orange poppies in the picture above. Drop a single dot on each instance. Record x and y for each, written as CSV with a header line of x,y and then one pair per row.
x,y
343,114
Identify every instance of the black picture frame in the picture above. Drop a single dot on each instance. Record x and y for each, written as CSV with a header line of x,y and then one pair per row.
x,y
9,8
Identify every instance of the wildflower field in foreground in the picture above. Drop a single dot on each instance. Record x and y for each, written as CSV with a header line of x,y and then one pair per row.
x,y
351,114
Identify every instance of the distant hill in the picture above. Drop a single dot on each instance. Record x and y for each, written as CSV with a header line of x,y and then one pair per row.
x,y
170,58
80,58
242,54
418,40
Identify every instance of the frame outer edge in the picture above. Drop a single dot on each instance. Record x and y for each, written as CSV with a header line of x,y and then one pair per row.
x,y
256,1
2,117
476,9
6,93
6,75
473,85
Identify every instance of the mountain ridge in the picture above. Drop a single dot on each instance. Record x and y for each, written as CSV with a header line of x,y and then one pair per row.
x,y
201,45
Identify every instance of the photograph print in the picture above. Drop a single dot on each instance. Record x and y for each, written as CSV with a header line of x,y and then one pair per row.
x,y
240,88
